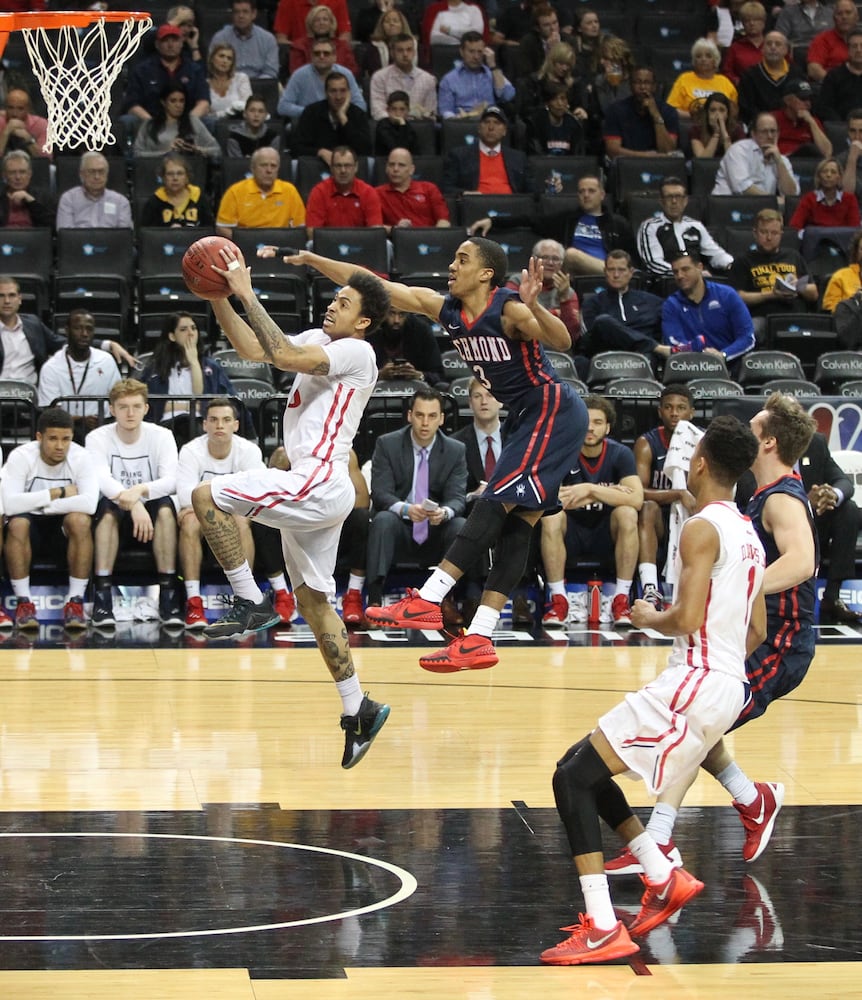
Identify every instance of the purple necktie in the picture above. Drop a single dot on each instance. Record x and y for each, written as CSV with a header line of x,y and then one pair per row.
x,y
420,493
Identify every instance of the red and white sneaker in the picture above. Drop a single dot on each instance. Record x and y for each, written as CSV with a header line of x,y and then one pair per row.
x,y
352,613
25,615
587,944
625,863
661,901
411,611
73,614
5,620
284,605
466,652
556,612
195,617
621,611
759,818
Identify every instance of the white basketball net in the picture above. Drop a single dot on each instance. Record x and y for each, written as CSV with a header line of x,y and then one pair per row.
x,y
76,68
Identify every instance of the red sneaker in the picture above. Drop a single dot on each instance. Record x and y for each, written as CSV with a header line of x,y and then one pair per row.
x,y
556,612
411,611
5,620
587,944
284,605
25,615
195,617
758,915
73,614
466,652
621,611
625,863
661,901
351,609
759,818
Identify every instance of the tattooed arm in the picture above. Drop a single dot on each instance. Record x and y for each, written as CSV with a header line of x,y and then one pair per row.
x,y
258,338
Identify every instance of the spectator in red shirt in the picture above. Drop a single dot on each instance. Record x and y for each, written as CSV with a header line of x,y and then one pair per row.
x,y
827,204
343,200
829,48
747,50
799,132
289,21
407,202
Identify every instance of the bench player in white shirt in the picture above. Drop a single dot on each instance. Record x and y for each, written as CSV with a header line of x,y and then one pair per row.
x,y
220,451
137,468
50,491
310,501
662,732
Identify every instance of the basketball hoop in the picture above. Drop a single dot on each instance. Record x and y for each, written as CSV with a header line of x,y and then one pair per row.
x,y
76,64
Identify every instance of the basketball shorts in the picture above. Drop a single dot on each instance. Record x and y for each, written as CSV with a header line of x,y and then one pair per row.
x,y
307,504
776,668
663,731
543,438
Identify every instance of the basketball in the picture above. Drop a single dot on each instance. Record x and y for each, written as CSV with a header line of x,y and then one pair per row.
x,y
197,270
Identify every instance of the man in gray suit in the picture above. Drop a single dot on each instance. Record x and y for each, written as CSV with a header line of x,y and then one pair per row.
x,y
418,485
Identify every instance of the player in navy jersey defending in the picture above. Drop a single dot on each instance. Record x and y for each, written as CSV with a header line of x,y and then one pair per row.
x,y
784,522
500,333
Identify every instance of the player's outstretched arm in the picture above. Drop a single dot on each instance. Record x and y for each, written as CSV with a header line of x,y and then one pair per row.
x,y
261,339
410,299
530,317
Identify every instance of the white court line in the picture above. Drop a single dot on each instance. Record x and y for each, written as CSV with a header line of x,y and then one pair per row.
x,y
408,887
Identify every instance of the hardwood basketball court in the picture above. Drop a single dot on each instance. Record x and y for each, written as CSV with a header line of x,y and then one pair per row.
x,y
176,825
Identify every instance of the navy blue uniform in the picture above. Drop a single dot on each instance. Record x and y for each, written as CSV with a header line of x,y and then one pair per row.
x,y
588,529
780,663
658,442
547,419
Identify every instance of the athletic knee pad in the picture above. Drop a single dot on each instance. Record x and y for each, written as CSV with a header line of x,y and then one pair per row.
x,y
510,555
481,530
576,781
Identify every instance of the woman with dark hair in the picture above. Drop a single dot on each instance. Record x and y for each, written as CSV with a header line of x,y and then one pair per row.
x,y
715,127
177,203
172,128
554,130
180,369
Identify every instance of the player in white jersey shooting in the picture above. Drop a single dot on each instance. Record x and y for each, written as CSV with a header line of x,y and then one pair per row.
x,y
309,502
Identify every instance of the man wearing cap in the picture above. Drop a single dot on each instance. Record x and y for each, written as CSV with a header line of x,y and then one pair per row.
x,y
799,132
151,75
841,92
475,83
486,166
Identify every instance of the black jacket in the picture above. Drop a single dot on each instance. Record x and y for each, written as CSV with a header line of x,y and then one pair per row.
x,y
43,342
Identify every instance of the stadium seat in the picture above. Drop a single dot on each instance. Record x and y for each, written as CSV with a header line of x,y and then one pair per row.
x,y
835,368
633,387
762,366
688,365
790,387
714,388
611,365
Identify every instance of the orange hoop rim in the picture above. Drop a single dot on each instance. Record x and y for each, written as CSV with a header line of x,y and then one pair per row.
x,y
28,20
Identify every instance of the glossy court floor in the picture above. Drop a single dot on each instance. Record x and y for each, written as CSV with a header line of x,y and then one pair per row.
x,y
175,824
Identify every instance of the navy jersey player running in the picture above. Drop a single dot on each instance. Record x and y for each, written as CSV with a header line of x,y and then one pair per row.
x,y
784,522
500,333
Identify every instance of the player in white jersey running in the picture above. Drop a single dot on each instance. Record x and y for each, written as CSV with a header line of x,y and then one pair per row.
x,y
309,502
662,732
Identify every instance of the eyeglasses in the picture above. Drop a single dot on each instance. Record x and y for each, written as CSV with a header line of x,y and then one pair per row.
x,y
550,260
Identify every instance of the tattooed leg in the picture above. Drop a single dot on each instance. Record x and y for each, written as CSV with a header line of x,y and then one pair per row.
x,y
329,631
219,528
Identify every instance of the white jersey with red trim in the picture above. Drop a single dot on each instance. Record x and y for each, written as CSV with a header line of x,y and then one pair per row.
x,y
736,577
323,411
